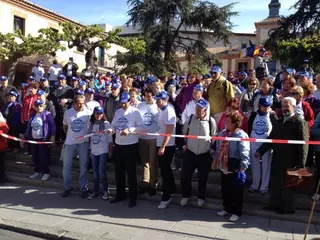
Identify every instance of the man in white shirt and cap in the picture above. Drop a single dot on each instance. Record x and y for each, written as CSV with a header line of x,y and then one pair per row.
x,y
126,120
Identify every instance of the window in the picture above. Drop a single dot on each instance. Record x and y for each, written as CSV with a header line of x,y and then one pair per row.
x,y
243,45
19,24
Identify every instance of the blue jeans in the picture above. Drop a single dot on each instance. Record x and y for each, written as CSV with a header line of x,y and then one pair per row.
x,y
99,171
69,152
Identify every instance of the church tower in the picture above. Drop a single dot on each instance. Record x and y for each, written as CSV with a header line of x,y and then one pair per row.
x,y
274,9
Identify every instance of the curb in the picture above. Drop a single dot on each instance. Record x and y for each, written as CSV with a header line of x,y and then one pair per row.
x,y
48,233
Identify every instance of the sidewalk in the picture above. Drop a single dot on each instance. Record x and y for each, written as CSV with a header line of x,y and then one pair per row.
x,y
43,213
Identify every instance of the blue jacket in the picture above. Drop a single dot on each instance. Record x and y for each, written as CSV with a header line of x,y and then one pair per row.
x,y
238,150
49,126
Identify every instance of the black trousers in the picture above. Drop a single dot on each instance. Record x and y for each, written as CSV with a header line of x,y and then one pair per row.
x,y
13,131
125,163
168,184
232,194
317,160
2,167
60,135
192,161
40,157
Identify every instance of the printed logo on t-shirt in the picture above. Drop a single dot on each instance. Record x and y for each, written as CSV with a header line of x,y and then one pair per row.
x,y
122,123
77,125
36,124
96,138
148,119
260,127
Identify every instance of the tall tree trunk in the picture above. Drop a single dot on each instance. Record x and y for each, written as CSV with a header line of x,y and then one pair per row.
x,y
12,71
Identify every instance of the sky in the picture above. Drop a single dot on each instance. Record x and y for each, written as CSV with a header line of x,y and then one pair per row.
x,y
114,12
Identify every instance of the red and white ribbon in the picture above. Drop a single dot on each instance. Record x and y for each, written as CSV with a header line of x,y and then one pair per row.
x,y
232,139
23,140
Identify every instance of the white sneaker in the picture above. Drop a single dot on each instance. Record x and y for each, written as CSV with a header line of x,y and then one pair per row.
x,y
164,204
234,218
201,202
222,213
35,175
184,201
45,177
316,197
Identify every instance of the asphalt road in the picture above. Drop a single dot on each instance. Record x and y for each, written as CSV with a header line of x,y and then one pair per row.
x,y
8,235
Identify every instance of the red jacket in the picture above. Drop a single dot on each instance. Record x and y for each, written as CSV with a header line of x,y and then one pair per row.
x,y
3,141
27,107
222,122
308,114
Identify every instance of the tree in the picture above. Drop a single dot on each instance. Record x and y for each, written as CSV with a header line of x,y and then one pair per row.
x,y
88,38
297,35
13,47
162,23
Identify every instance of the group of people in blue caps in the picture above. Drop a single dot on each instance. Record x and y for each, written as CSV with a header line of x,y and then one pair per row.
x,y
113,108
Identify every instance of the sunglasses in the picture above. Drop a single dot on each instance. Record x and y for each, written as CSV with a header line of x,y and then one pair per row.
x,y
214,73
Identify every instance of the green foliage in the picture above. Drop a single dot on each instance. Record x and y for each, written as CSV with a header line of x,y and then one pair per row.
x,y
293,51
297,35
165,37
15,46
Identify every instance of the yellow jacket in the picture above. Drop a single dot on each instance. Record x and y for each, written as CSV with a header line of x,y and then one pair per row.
x,y
219,92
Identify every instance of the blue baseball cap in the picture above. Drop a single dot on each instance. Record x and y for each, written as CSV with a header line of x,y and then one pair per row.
x,y
198,87
98,109
61,76
303,74
40,92
173,74
89,90
125,97
265,101
283,66
244,73
202,103
43,79
182,78
162,95
74,78
241,178
109,73
12,93
115,86
3,78
38,102
262,50
289,71
31,78
108,83
216,69
207,76
306,61
79,92
138,77
150,79
82,83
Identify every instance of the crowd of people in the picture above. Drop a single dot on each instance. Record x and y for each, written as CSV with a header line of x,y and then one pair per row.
x,y
61,107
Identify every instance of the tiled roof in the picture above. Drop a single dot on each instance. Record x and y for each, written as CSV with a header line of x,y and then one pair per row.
x,y
40,9
269,20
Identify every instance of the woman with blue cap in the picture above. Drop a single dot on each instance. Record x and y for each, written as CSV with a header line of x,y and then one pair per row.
x,y
260,125
101,147
232,158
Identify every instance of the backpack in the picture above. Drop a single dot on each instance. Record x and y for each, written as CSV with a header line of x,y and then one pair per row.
x,y
209,121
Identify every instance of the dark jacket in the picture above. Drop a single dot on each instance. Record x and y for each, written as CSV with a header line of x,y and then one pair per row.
x,y
111,105
12,113
50,108
273,119
287,155
58,93
49,126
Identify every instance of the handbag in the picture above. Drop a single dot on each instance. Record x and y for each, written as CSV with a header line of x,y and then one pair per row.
x,y
299,178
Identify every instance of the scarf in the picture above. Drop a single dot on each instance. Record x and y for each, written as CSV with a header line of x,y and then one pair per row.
x,y
222,162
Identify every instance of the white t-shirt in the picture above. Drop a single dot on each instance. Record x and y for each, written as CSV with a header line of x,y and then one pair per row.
x,y
54,71
166,117
38,73
149,113
99,143
131,119
261,126
92,104
69,70
191,109
77,123
37,127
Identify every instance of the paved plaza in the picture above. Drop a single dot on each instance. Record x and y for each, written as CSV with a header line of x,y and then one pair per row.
x,y
43,212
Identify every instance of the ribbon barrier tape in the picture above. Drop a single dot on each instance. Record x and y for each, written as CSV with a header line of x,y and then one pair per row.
x,y
23,140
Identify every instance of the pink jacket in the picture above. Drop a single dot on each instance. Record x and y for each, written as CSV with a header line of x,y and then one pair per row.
x,y
222,122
